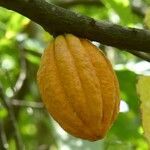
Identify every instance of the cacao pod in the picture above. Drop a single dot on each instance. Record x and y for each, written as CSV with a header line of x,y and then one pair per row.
x,y
78,87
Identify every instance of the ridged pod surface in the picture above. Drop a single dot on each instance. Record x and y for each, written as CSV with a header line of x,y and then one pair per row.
x,y
79,87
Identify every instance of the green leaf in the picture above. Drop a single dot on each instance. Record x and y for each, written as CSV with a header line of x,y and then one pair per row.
x,y
143,88
32,58
128,123
122,9
3,112
127,81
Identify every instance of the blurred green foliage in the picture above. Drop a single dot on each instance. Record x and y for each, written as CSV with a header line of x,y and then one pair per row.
x,y
21,45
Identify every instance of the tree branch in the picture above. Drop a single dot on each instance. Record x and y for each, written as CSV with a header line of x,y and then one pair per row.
x,y
57,20
70,3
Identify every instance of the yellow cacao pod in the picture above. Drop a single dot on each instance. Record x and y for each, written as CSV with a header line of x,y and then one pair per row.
x,y
78,87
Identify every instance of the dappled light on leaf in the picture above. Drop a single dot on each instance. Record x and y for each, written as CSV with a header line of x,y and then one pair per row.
x,y
143,89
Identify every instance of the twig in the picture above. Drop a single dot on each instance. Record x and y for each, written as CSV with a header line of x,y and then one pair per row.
x,y
3,137
9,80
22,76
138,8
23,71
57,20
142,55
24,103
13,121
